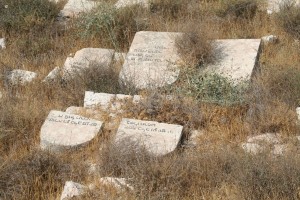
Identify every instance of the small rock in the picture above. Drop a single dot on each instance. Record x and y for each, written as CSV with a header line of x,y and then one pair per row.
x,y
269,39
2,43
72,189
252,148
269,138
20,77
298,113
118,183
279,149
53,75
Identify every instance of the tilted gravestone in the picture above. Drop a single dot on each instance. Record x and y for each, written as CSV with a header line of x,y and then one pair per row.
x,y
152,60
236,59
157,138
65,131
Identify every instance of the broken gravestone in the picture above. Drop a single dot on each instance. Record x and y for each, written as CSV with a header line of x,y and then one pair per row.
x,y
157,138
65,131
152,60
20,77
236,59
87,58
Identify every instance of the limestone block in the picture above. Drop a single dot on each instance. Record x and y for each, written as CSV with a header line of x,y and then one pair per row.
x,y
118,183
252,148
66,131
86,58
237,59
20,77
72,189
152,60
157,138
53,75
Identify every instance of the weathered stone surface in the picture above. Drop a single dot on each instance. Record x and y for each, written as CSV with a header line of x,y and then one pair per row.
x,y
236,58
2,43
279,149
118,183
72,189
268,39
274,5
75,7
267,138
157,138
62,130
20,77
53,75
152,60
124,3
193,137
252,148
88,57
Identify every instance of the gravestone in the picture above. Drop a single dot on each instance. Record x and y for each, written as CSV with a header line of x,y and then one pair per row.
x,y
125,3
237,59
20,77
152,60
62,130
157,138
86,58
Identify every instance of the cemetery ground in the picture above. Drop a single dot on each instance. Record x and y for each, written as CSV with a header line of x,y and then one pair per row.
x,y
224,114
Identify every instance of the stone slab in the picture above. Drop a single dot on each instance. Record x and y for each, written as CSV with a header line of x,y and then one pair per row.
x,y
53,75
20,77
125,3
237,59
88,57
152,60
118,183
267,138
157,138
72,189
62,130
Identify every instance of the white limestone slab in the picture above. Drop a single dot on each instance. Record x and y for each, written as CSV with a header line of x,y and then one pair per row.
x,y
268,138
72,189
2,43
88,57
252,148
101,100
74,7
236,58
157,138
125,3
20,77
152,60
62,130
118,183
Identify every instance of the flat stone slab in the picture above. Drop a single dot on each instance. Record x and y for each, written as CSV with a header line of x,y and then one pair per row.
x,y
236,58
152,60
75,7
107,101
267,138
20,77
88,57
118,183
72,189
157,138
62,130
125,3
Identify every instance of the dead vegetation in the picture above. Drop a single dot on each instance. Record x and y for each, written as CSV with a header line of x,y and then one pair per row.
x,y
218,169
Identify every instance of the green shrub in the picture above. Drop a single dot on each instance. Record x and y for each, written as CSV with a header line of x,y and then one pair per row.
x,y
25,15
289,18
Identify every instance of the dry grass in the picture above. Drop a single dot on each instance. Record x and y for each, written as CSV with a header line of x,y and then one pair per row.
x,y
218,169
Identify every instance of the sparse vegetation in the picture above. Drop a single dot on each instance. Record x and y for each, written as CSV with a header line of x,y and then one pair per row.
x,y
227,113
